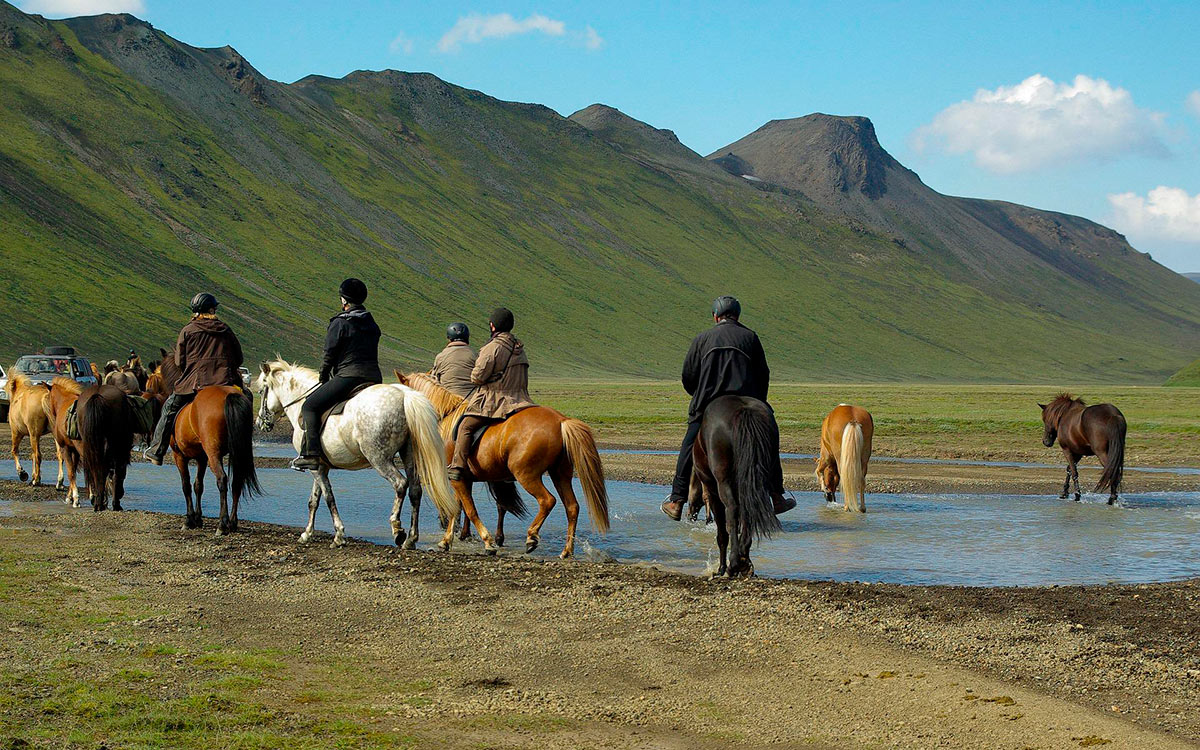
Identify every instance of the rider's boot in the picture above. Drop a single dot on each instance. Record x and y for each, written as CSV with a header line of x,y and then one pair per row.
x,y
782,503
306,463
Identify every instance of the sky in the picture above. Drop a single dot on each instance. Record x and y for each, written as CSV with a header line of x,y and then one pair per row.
x,y
1085,108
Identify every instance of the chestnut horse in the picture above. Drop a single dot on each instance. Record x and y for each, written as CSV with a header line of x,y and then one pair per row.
x,y
27,416
1084,430
734,454
106,427
530,443
846,435
218,423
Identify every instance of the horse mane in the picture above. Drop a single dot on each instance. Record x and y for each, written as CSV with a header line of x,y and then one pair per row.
x,y
68,384
291,371
111,366
1061,403
449,406
16,382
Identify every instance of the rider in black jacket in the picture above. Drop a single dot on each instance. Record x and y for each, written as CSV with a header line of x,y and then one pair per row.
x,y
726,360
351,359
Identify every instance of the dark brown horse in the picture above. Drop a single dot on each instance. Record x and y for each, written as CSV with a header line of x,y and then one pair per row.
x,y
530,443
733,457
218,423
106,425
1084,430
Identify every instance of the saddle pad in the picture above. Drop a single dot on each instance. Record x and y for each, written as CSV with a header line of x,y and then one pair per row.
x,y
72,424
341,407
143,414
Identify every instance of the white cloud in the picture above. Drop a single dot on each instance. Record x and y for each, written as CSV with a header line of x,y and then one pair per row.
x,y
402,44
67,8
594,41
1039,122
475,28
1166,213
1193,103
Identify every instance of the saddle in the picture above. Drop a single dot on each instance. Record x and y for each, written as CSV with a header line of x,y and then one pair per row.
x,y
340,407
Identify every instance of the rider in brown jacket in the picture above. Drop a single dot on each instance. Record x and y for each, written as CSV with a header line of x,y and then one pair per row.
x,y
501,378
453,365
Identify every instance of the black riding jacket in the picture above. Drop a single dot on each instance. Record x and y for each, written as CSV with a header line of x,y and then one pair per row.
x,y
352,346
726,360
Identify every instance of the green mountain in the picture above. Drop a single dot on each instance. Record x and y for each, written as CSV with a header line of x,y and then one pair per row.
x,y
1188,376
136,170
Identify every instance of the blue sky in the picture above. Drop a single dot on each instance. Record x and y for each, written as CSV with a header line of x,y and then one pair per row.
x,y
1082,108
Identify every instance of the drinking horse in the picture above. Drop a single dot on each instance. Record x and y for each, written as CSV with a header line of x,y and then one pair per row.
x,y
28,417
1083,430
530,443
846,435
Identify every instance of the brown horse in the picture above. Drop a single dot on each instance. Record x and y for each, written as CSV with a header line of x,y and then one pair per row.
x,y
846,435
106,427
63,393
27,416
530,443
1084,430
733,456
219,422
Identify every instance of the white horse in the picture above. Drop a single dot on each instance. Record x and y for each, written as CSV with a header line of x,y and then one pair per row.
x,y
377,424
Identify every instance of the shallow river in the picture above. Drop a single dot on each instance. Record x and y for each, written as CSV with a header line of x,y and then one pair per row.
x,y
984,540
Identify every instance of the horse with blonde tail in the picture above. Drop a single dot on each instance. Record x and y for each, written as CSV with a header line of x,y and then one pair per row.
x,y
28,415
529,444
377,425
846,436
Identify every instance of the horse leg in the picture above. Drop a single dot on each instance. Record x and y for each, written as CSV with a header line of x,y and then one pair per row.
x,y
561,476
738,558
72,476
500,514
118,485
464,526
314,502
222,478
339,529
36,450
533,485
181,463
415,493
718,511
462,488
388,470
1066,483
17,437
58,450
1075,476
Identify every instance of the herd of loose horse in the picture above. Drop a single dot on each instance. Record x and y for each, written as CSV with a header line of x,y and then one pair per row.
x,y
404,431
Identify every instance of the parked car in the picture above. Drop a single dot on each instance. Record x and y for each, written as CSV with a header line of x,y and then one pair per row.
x,y
57,361
245,373
3,395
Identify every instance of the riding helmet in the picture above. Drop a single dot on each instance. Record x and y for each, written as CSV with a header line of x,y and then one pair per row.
x,y
502,319
458,332
353,291
203,302
727,307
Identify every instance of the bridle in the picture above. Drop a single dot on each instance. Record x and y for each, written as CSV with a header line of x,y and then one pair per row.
x,y
266,417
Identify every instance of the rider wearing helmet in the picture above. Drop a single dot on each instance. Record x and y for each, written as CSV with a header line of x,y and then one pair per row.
x,y
351,360
207,353
452,366
726,360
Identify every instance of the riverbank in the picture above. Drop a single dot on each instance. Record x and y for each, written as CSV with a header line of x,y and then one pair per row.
x,y
123,630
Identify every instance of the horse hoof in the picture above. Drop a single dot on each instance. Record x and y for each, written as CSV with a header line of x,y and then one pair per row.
x,y
399,537
1078,498
410,543
60,487
337,542
23,476
444,546
499,540
304,537
117,506
1063,496
530,545
564,555
221,532
490,551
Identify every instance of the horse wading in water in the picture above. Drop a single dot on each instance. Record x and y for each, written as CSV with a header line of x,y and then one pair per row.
x,y
532,442
378,423
106,426
733,456
1083,430
28,415
846,435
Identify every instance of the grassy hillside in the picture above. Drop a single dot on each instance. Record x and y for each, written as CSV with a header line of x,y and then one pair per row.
x,y
1188,376
136,170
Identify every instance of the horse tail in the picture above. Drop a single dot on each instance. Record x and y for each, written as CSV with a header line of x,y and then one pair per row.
x,y
507,498
93,434
854,479
755,510
239,440
1114,467
428,447
580,443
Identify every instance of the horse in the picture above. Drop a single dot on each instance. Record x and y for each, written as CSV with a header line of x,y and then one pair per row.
x,y
28,404
134,366
846,435
105,439
1083,430
217,423
126,381
376,424
733,456
528,444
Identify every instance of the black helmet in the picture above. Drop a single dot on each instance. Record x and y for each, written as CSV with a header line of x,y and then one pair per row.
x,y
727,307
458,332
203,302
353,291
502,319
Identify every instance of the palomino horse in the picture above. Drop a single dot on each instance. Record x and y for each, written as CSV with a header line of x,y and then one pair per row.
x,y
218,423
734,454
27,416
523,447
1084,430
845,450
378,423
106,427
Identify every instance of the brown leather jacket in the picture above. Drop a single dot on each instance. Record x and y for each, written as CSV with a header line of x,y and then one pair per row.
x,y
452,368
207,353
502,376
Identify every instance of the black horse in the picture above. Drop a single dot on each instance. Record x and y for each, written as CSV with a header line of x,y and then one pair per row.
x,y
734,456
1084,430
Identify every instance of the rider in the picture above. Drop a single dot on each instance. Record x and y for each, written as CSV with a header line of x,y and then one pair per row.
x,y
207,353
351,360
452,366
726,360
501,380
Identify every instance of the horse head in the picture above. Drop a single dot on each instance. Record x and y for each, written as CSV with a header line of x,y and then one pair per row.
x,y
827,475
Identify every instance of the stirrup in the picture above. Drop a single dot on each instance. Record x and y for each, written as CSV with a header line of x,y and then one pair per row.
x,y
305,463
